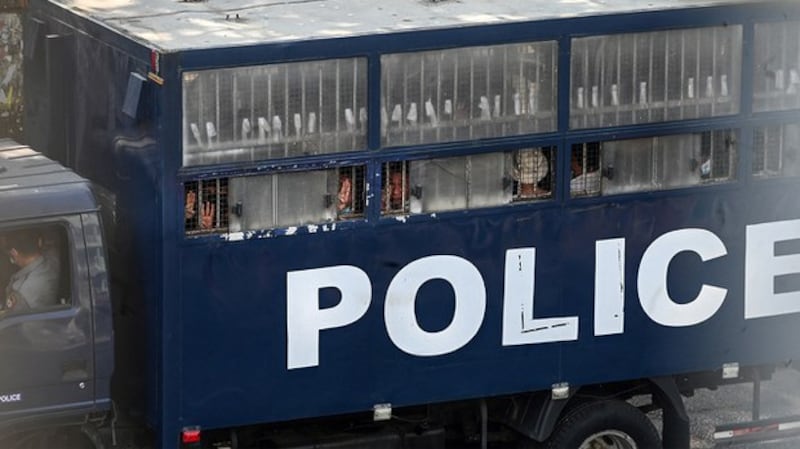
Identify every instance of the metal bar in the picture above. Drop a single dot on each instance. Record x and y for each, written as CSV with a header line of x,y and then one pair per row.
x,y
489,95
784,65
650,79
553,86
285,124
217,109
275,200
619,78
471,91
683,72
668,35
268,118
586,83
601,56
421,103
522,92
218,203
236,128
338,109
252,110
697,82
438,96
356,113
765,149
468,181
634,86
454,106
319,114
714,76
781,141
303,115
405,106
504,95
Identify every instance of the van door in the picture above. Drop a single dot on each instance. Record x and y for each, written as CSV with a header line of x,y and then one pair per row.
x,y
46,355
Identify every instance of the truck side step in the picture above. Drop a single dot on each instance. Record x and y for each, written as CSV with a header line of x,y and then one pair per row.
x,y
760,430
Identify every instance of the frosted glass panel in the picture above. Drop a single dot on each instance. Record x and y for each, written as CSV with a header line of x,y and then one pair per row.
x,y
274,111
776,77
296,199
776,151
656,163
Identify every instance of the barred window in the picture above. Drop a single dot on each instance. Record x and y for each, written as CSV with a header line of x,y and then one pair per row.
x,y
776,151
776,77
274,111
656,163
585,169
468,93
206,206
351,194
626,79
533,173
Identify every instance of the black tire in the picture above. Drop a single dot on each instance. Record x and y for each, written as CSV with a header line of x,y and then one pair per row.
x,y
614,423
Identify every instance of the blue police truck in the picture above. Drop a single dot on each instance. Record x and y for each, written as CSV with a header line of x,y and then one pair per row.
x,y
405,224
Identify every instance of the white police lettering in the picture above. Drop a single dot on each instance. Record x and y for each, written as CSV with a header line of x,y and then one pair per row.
x,y
652,281
519,325
8,398
609,287
304,318
762,266
470,305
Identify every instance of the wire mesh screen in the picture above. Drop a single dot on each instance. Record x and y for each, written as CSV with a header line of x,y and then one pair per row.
x,y
636,78
533,173
468,93
776,76
274,111
351,193
655,163
206,206
585,169
776,151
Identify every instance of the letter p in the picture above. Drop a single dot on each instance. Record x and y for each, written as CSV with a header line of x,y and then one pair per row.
x,y
304,318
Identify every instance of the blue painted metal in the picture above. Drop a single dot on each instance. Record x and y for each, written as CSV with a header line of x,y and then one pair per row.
x,y
213,311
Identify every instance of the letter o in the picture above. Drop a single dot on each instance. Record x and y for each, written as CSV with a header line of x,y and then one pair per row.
x,y
470,305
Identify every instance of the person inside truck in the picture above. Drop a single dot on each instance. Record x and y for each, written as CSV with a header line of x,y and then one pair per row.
x,y
203,216
35,285
190,212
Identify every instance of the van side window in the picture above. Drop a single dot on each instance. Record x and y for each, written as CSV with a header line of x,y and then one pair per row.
x,y
34,276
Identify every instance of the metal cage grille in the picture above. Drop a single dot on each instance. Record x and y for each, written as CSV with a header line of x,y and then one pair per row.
x,y
206,206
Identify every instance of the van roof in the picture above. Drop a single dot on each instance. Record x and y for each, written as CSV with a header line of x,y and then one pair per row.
x,y
33,185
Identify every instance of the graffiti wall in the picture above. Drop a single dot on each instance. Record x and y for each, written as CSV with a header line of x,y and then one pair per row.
x,y
11,75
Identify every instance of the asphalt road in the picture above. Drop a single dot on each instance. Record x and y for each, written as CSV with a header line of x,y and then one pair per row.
x,y
779,397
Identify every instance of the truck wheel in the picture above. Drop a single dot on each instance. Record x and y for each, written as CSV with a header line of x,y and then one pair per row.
x,y
608,424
